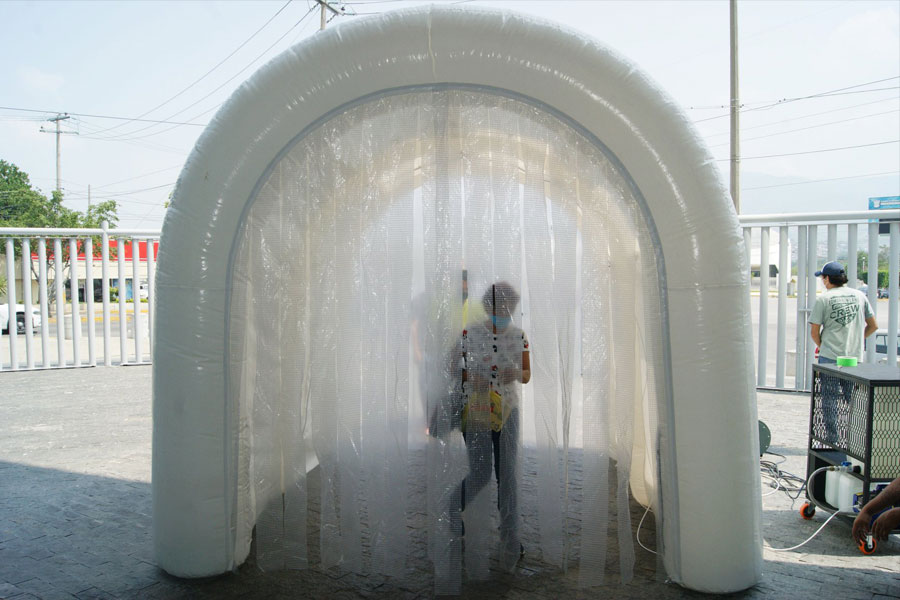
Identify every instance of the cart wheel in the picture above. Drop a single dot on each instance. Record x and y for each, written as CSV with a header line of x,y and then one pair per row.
x,y
868,547
807,511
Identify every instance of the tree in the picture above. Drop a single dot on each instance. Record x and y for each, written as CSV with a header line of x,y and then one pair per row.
x,y
21,205
884,258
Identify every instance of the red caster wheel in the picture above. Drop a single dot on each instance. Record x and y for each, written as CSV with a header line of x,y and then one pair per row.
x,y
807,511
868,547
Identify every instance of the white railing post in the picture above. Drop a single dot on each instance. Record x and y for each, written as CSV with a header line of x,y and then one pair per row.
x,y
104,288
76,306
872,282
56,311
151,285
89,298
26,301
802,310
136,298
747,240
893,292
784,273
832,242
60,303
123,313
11,325
811,268
763,306
45,303
852,243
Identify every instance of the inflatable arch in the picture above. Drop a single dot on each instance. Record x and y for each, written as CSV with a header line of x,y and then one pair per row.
x,y
319,227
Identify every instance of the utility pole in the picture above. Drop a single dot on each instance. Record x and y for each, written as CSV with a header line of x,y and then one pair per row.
x,y
89,197
325,6
57,119
735,114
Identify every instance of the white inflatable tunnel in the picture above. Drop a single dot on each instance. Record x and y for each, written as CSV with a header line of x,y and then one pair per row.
x,y
311,289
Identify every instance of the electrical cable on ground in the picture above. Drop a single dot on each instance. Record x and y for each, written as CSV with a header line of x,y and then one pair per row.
x,y
637,534
768,468
807,540
792,485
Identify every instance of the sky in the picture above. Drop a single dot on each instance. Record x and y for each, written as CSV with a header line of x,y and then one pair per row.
x,y
819,87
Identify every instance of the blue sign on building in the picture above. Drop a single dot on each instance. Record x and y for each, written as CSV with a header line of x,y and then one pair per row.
x,y
884,203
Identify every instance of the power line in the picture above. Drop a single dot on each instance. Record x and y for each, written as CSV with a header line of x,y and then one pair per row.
x,y
771,103
378,12
205,75
759,137
838,92
815,151
146,189
138,176
789,100
35,110
765,187
745,38
824,112
147,145
226,82
123,195
119,200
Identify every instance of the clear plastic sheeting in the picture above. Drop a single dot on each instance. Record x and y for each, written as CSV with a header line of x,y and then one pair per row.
x,y
355,251
320,287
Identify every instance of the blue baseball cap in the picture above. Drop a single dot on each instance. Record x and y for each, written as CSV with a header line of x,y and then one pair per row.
x,y
832,269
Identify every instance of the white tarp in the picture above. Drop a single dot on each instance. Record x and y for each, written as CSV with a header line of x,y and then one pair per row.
x,y
311,305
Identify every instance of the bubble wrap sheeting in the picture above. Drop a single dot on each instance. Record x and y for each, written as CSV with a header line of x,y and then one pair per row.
x,y
311,308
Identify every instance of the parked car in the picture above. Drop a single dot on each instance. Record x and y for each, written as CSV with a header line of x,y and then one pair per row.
x,y
20,318
880,337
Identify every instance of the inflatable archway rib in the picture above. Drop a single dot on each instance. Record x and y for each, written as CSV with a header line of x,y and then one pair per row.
x,y
430,116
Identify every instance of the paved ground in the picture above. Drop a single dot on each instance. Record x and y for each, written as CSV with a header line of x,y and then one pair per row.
x,y
75,514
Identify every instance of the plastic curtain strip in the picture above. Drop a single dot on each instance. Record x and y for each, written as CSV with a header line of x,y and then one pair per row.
x,y
347,317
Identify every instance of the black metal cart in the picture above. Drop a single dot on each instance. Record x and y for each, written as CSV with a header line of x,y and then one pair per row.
x,y
854,414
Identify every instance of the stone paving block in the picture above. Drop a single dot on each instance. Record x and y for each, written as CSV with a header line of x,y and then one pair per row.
x,y
62,580
42,589
8,590
82,504
16,568
94,594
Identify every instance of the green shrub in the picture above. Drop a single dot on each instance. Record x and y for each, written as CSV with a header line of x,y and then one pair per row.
x,y
883,278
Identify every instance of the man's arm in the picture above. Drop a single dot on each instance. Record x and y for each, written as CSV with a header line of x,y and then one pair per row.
x,y
871,327
815,332
886,522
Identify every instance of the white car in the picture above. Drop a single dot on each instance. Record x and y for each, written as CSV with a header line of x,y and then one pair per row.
x,y
20,318
881,341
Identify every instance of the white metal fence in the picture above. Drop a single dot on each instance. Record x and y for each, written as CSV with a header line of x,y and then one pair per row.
x,y
800,253
77,297
112,326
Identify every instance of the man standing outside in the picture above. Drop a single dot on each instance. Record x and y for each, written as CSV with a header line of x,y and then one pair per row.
x,y
841,319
